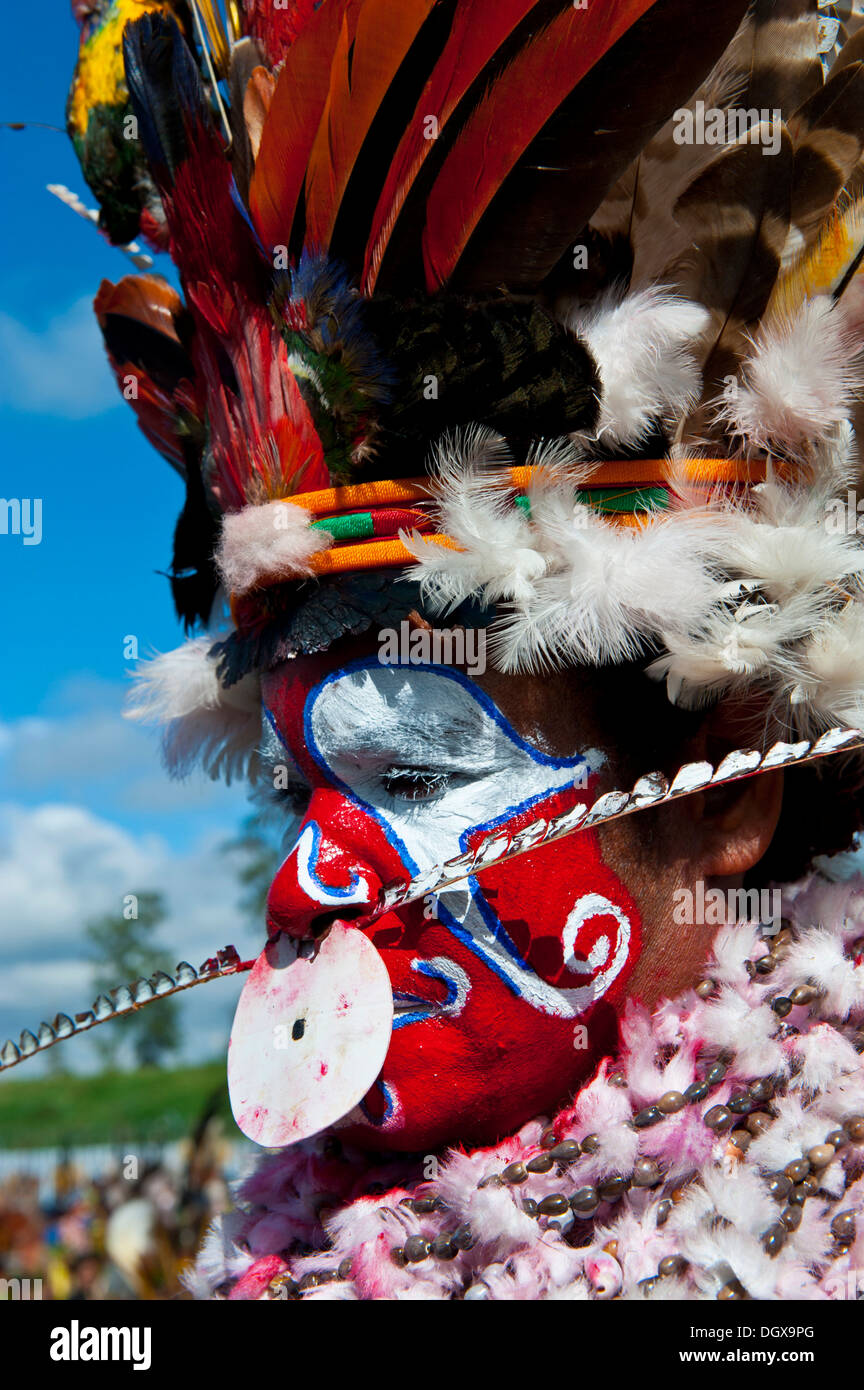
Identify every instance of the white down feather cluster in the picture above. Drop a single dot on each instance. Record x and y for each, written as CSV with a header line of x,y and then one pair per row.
x,y
728,595
202,721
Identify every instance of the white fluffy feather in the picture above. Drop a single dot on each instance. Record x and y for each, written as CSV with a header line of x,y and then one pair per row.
x,y
799,382
643,349
202,720
262,544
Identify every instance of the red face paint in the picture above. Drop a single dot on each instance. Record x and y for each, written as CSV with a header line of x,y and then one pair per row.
x,y
505,989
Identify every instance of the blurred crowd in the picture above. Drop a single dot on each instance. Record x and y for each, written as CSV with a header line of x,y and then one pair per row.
x,y
127,1233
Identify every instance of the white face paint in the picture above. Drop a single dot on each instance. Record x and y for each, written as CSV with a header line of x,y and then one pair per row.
x,y
363,725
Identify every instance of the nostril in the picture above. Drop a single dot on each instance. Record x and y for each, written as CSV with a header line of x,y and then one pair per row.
x,y
324,920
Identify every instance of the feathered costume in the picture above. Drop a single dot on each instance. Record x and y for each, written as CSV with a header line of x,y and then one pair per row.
x,y
552,313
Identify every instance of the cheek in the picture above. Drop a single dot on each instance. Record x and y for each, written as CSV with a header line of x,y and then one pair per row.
x,y
480,1074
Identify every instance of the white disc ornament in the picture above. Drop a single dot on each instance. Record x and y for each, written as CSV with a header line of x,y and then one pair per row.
x,y
309,1037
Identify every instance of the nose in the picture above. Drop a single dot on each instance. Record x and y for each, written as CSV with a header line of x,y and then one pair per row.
x,y
323,880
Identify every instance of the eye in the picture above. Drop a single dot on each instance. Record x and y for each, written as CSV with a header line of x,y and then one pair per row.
x,y
414,783
292,796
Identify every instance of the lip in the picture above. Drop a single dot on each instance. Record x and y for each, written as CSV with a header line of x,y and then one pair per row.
x,y
413,1008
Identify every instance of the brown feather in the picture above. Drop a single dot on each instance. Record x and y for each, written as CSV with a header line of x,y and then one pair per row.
x,y
542,206
245,59
828,135
737,216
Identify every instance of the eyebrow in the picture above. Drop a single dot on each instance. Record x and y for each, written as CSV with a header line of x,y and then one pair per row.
x,y
407,723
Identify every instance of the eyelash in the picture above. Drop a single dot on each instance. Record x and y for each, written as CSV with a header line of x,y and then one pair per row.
x,y
413,783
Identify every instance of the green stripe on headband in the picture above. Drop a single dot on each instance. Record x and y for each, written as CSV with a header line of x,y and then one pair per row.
x,y
356,526
612,499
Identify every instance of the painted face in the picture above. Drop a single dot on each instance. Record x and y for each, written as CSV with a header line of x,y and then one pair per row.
x,y
504,987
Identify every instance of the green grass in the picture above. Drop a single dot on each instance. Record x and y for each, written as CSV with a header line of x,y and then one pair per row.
x,y
113,1107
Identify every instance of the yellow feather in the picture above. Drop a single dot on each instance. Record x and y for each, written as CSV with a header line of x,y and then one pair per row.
x,y
820,269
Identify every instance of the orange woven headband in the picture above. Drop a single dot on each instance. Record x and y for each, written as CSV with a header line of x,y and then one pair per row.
x,y
366,518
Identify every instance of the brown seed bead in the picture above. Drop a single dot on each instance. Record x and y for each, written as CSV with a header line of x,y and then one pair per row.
x,y
540,1163
775,1238
649,1116
663,1210
416,1249
611,1248
491,1180
757,1122
797,1171
750,967
740,1104
529,1206
836,1138
672,1264
779,1186
344,1270
717,1118
705,989
611,1189
554,1205
763,1089
855,1128
791,1217
464,1238
781,1006
397,1255
671,1102
765,964
733,1291
741,1139
648,1284
645,1173
548,1139
566,1151
585,1199
443,1247
804,994
715,1073
424,1204
591,1143
515,1172
821,1155
798,1196
843,1227
696,1092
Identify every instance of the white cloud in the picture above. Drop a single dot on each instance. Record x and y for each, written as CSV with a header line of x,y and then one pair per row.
x,y
90,754
60,370
61,865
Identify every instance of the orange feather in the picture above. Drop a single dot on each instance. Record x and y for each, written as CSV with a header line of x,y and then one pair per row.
x,y
365,64
292,122
479,29
508,118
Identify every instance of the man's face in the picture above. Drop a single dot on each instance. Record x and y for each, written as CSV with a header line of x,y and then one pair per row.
x,y
505,985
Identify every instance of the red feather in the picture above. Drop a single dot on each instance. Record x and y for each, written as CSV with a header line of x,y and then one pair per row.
x,y
365,64
479,29
508,118
293,121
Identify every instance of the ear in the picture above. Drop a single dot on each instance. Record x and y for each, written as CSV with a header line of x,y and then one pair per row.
x,y
738,821
738,824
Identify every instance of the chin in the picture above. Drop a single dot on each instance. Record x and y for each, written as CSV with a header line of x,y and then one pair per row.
x,y
442,1086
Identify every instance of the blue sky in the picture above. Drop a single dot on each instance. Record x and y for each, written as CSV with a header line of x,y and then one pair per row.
x,y
86,813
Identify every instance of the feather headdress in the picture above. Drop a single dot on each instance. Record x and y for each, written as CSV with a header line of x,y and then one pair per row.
x,y
551,308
